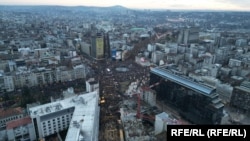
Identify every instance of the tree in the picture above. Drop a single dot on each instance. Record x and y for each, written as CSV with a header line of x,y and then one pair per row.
x,y
6,96
26,97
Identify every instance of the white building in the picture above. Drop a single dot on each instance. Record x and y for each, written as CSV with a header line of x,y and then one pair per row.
x,y
92,85
151,48
160,124
79,114
9,83
43,76
162,120
149,96
234,63
157,56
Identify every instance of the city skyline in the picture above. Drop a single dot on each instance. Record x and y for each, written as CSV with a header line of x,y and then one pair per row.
x,y
234,5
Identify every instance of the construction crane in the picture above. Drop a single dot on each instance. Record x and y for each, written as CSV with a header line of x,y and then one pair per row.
x,y
153,85
138,113
138,110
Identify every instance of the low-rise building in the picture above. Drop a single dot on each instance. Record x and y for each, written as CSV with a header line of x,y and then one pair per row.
x,y
20,129
7,115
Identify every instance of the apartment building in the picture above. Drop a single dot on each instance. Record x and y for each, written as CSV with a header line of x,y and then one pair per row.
x,y
10,115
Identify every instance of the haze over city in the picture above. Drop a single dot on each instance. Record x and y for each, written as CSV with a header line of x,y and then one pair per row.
x,y
88,70
242,5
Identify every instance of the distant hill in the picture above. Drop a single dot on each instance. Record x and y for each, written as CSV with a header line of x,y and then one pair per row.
x,y
55,7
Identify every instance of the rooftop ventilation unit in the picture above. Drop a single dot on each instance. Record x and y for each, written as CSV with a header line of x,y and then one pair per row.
x,y
76,124
48,110
58,107
83,101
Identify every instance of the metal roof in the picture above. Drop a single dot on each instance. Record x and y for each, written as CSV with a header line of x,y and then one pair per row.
x,y
182,81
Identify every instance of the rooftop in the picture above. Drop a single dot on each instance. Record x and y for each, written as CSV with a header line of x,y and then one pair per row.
x,y
182,81
83,119
242,88
18,123
10,112
170,120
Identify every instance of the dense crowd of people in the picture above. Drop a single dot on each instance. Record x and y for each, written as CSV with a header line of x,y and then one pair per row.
x,y
110,77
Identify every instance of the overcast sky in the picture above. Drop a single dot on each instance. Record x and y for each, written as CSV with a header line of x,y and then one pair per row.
x,y
242,5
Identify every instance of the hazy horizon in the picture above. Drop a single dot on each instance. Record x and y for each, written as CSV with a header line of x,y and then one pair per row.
x,y
220,5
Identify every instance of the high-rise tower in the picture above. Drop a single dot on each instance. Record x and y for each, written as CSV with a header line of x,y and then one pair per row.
x,y
97,46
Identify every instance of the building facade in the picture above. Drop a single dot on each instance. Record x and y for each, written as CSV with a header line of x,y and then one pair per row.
x,y
21,130
241,97
43,76
197,103
10,115
189,35
78,113
97,46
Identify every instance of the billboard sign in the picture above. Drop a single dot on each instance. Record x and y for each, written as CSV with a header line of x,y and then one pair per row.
x,y
99,47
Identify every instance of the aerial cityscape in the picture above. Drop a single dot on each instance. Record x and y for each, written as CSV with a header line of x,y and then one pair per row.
x,y
117,71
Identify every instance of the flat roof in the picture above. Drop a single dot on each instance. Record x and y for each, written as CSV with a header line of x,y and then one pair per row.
x,y
18,123
163,115
182,81
242,88
83,119
4,113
